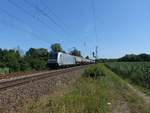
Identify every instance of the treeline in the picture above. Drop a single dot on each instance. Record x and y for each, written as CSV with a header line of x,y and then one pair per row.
x,y
135,58
33,59
128,58
102,60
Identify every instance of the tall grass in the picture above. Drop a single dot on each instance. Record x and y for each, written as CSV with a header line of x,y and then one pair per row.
x,y
137,72
94,71
87,95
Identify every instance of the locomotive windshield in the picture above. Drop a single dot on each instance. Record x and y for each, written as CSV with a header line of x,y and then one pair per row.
x,y
53,55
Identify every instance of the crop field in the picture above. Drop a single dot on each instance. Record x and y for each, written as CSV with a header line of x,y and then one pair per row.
x,y
136,72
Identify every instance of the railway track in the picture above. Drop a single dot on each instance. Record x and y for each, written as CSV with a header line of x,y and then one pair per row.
x,y
17,81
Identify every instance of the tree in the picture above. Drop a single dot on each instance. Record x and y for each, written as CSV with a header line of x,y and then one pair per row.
x,y
11,59
135,58
75,52
40,53
24,65
87,57
34,59
1,56
37,58
56,48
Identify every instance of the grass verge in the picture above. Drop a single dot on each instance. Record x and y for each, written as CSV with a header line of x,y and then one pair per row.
x,y
87,95
104,94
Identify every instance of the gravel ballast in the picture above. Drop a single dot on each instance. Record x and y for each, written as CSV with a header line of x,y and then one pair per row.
x,y
13,99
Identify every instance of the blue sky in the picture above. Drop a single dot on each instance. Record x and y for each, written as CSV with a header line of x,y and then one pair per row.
x,y
123,26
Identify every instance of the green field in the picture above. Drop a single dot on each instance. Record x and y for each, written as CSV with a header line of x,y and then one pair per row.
x,y
137,72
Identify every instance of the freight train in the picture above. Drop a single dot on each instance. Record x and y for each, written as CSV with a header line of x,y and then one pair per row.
x,y
60,59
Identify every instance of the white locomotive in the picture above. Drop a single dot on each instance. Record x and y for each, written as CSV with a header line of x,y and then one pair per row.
x,y
60,59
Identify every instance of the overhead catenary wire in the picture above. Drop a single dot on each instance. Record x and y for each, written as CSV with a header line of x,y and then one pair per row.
x,y
4,22
42,12
57,17
31,15
95,26
94,18
19,28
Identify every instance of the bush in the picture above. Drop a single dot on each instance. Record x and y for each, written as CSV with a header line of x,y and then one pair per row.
x,y
4,70
93,71
14,66
38,64
24,65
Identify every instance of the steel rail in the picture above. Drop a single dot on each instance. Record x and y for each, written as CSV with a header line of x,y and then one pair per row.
x,y
17,81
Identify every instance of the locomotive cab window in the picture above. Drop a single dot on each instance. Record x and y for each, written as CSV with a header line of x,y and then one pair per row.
x,y
53,56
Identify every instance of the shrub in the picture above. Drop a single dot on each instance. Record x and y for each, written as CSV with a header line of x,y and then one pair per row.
x,y
4,70
93,71
38,64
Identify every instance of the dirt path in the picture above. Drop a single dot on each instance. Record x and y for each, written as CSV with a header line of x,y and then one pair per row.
x,y
118,102
140,94
121,107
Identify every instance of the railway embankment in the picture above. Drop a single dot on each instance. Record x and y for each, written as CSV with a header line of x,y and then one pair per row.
x,y
99,90
13,98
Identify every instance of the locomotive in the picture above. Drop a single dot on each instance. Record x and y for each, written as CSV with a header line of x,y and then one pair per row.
x,y
60,59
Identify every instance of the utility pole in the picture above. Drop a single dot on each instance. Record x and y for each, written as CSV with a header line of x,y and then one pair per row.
x,y
95,54
96,57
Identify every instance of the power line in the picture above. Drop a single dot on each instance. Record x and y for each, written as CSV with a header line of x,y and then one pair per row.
x,y
28,13
52,12
94,18
38,9
19,28
95,27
